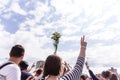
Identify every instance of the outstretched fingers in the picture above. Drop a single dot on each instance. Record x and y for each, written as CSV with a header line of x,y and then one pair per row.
x,y
83,42
83,38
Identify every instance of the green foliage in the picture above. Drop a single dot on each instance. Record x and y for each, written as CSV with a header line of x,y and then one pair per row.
x,y
56,36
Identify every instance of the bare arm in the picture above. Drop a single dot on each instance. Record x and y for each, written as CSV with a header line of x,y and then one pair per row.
x,y
83,47
76,72
87,66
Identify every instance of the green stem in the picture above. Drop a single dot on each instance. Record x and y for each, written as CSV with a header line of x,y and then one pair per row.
x,y
56,49
55,46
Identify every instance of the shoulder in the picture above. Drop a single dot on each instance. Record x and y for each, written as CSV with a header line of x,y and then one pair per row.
x,y
11,71
12,67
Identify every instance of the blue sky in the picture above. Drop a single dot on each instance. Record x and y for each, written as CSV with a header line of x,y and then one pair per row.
x,y
31,23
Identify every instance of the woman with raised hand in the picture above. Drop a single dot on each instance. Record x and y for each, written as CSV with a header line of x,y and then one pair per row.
x,y
53,66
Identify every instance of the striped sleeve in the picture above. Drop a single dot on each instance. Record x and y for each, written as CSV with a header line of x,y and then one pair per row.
x,y
76,72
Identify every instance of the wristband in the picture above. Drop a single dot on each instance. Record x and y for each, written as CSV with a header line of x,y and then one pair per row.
x,y
83,47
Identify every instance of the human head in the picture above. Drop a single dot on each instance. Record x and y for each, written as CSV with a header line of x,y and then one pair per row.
x,y
106,74
23,65
82,77
52,66
113,77
17,51
38,72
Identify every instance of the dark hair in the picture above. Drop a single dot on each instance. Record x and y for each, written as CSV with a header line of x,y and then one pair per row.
x,y
106,74
83,77
23,65
38,71
17,51
113,77
52,66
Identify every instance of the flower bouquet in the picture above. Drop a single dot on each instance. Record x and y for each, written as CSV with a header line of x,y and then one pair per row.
x,y
56,36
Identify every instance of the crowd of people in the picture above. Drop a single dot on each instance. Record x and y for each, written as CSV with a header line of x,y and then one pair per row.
x,y
54,69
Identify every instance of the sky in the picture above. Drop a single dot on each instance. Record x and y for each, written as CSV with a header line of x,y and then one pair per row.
x,y
31,24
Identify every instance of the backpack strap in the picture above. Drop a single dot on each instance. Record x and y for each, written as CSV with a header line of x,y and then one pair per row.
x,y
5,64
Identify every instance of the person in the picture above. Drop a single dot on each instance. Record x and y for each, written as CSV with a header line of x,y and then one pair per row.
x,y
53,64
113,77
10,70
83,77
105,75
38,73
114,72
24,73
91,72
30,68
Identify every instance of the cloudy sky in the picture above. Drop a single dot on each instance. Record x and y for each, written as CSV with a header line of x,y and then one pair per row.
x,y
32,22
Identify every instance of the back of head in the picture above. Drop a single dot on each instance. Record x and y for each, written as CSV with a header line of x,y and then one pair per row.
x,y
17,51
113,77
106,74
38,72
82,77
52,66
23,65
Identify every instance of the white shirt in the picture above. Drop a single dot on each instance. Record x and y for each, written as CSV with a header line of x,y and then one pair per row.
x,y
11,72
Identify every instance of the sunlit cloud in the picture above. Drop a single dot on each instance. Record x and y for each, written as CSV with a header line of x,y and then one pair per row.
x,y
31,23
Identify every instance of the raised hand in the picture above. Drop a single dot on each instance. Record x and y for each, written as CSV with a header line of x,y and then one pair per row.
x,y
87,66
83,44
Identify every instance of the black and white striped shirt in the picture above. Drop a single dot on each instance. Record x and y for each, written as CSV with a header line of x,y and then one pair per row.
x,y
76,72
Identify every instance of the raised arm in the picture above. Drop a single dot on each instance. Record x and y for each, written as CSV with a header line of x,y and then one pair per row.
x,y
87,66
91,72
83,47
76,72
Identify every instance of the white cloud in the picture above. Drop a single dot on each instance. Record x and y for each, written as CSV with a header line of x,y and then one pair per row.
x,y
38,30
68,8
102,57
1,27
4,42
40,11
70,28
93,28
7,16
104,54
70,38
77,17
16,8
3,4
28,22
105,35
